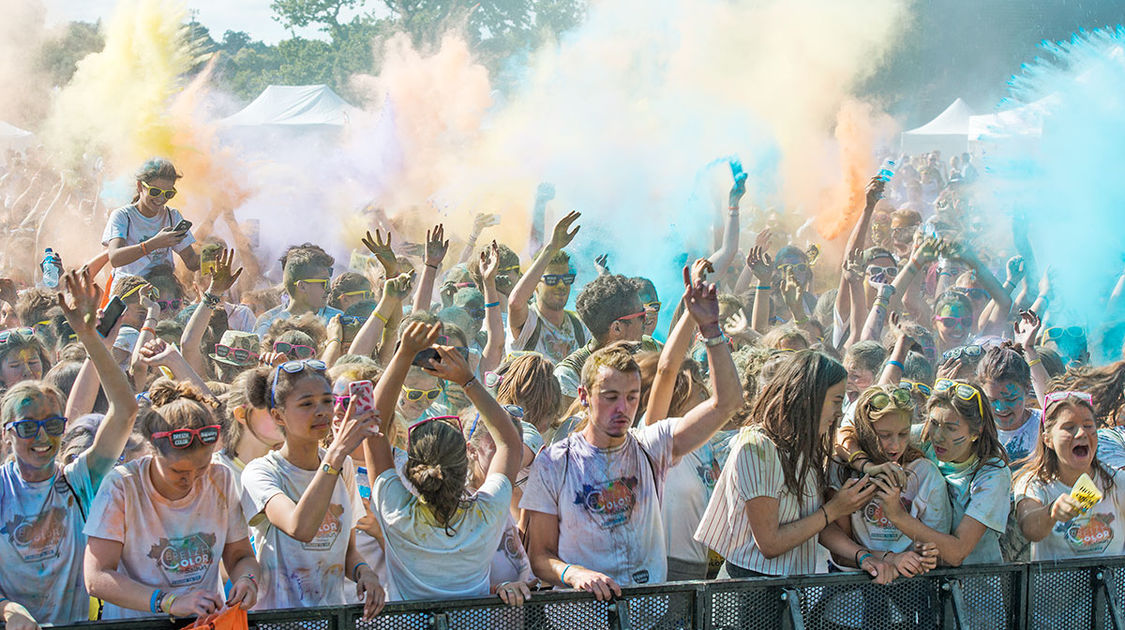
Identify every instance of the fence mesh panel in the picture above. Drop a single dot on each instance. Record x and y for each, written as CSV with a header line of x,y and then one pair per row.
x,y
1061,600
897,606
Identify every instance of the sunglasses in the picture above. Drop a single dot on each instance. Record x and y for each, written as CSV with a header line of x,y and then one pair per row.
x,y
294,367
964,391
321,281
28,428
1055,397
239,355
414,395
873,270
1058,332
352,320
157,192
915,386
637,315
953,321
974,293
552,279
170,305
972,351
342,401
297,350
899,396
182,438
652,306
364,295
492,380
23,333
507,270
798,268
450,420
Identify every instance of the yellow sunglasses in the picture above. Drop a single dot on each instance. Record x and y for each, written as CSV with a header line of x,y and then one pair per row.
x,y
157,192
414,395
366,295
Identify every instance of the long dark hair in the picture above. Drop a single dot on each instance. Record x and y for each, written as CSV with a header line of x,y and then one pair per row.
x,y
788,412
1043,463
437,465
987,445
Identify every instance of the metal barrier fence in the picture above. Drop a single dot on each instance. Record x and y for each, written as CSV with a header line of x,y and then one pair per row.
x,y
1067,595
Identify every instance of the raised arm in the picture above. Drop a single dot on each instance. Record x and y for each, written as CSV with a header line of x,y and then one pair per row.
x,y
857,240
1027,330
79,309
480,221
762,265
522,292
544,193
436,248
221,281
701,422
493,354
877,317
395,291
722,258
157,352
668,369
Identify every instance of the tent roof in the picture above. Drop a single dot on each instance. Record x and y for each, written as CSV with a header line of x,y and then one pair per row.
x,y
294,105
953,121
1026,120
12,131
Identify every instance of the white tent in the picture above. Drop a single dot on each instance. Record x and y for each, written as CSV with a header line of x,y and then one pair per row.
x,y
12,137
1021,122
294,106
948,132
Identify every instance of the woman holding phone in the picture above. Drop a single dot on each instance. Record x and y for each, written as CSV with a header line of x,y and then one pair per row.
x,y
145,233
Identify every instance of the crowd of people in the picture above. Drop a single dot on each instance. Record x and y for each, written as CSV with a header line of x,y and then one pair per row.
x,y
180,437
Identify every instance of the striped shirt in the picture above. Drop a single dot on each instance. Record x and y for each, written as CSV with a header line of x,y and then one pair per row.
x,y
753,469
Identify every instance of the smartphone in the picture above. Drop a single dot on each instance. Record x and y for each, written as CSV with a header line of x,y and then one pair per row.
x,y
208,259
422,359
362,394
110,315
183,226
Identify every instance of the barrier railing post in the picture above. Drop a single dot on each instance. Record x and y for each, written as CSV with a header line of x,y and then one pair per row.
x,y
1104,600
701,604
619,615
792,600
439,621
955,612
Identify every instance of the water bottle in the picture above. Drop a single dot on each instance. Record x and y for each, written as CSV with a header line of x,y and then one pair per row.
x,y
50,269
887,170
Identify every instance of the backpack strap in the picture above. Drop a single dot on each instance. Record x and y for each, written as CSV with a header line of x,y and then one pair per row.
x,y
533,340
576,326
77,500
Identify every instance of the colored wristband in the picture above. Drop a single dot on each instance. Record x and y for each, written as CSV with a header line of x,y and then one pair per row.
x,y
860,559
431,266
492,304
1034,362
355,570
148,330
855,455
157,595
381,317
763,287
562,578
166,603
469,382
897,364
145,250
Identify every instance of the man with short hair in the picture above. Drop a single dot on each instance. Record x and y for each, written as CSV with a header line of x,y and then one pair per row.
x,y
612,311
593,498
546,326
306,272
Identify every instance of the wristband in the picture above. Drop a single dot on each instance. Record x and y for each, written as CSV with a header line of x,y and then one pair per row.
x,y
859,562
328,468
492,304
380,317
148,329
152,601
897,364
211,300
434,267
562,578
145,250
763,287
881,302
355,570
825,510
855,455
253,580
711,342
1034,362
469,382
735,208
166,603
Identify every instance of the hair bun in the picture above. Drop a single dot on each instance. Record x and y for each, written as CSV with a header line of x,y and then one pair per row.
x,y
427,476
165,391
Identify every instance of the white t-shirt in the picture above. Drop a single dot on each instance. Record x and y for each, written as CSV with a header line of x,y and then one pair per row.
x,y
175,546
1098,532
554,343
686,495
1020,442
297,574
924,497
42,543
753,470
369,547
128,223
425,560
510,562
607,501
984,495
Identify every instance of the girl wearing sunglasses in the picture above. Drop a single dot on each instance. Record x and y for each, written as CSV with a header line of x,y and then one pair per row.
x,y
167,519
960,435
48,501
440,546
304,498
22,357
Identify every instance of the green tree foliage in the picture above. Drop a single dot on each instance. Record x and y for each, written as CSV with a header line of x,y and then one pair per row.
x,y
59,57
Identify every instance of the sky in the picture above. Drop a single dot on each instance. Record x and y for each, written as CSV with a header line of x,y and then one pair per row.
x,y
219,16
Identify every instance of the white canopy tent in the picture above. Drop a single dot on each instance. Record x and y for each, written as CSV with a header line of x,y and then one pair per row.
x,y
948,132
294,106
1024,122
12,137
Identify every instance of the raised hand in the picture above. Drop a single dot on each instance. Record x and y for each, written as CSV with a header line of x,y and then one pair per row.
x,y
450,366
562,234
761,264
399,287
545,192
699,270
874,190
222,279
382,251
156,352
483,220
736,325
925,250
853,266
601,263
1027,329
702,303
791,289
436,246
1016,268
82,306
418,336
763,239
737,190
490,262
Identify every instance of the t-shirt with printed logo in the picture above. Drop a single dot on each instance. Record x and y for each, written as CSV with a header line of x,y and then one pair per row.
x,y
686,494
607,501
299,574
41,541
173,545
1098,532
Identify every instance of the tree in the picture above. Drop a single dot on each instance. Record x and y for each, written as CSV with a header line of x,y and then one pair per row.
x,y
294,14
59,58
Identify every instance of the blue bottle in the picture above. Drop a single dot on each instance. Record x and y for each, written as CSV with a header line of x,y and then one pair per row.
x,y
50,267
887,170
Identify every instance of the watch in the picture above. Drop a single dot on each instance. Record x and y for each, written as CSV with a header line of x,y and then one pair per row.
x,y
326,467
711,342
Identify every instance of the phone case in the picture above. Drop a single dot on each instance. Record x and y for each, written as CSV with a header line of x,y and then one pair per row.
x,y
363,397
1086,493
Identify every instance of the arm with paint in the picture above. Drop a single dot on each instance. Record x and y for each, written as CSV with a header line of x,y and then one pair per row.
x,y
877,318
762,265
722,258
856,241
521,294
668,369
221,281
1027,330
493,354
367,338
436,248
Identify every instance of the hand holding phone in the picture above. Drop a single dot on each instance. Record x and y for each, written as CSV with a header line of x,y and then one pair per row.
x,y
183,226
362,395
112,312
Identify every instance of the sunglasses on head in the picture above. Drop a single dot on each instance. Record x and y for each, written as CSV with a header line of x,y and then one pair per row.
x,y
452,421
158,192
28,428
637,315
22,332
949,320
321,281
294,367
1058,332
508,270
352,320
170,305
915,386
1055,397
363,294
414,395
239,355
973,293
900,396
298,350
182,438
874,270
552,279
492,380
972,351
652,306
964,391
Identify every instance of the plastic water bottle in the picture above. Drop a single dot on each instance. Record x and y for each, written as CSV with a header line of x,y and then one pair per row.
x,y
50,268
887,170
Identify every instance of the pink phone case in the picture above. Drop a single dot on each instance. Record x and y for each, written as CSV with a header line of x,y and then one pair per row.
x,y
362,394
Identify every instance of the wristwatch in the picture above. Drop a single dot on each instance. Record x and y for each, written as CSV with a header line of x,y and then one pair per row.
x,y
711,342
326,467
